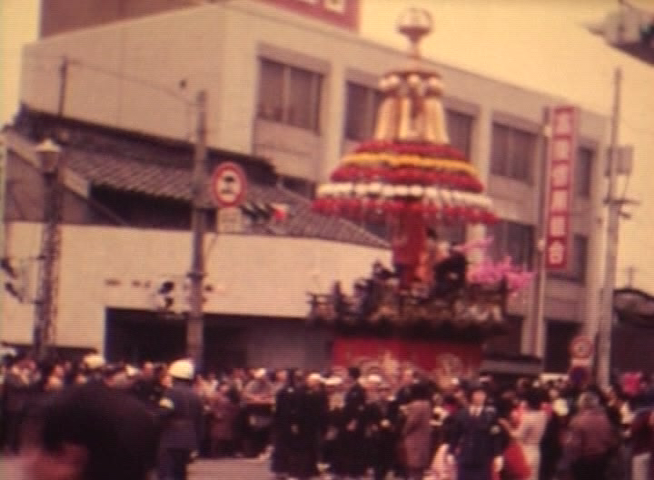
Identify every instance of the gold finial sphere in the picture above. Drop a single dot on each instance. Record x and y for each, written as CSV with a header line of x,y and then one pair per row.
x,y
415,23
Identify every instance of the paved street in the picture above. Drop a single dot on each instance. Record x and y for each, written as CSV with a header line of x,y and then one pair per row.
x,y
236,469
232,469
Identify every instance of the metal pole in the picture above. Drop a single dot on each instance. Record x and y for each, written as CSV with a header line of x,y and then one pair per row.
x,y
3,177
538,311
195,325
63,80
612,233
46,301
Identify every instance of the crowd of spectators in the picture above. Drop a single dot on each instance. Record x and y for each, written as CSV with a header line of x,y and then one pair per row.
x,y
309,424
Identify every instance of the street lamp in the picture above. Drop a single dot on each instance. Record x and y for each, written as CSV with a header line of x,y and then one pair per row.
x,y
50,161
49,154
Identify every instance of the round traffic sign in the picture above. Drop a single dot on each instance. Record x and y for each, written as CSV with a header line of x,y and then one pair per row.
x,y
581,347
228,185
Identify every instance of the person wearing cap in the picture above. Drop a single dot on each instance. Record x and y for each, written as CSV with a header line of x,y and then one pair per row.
x,y
383,420
91,432
182,422
318,405
258,395
589,440
353,427
334,391
475,439
298,421
93,365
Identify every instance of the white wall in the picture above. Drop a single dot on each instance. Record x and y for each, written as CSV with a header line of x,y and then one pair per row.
x,y
251,275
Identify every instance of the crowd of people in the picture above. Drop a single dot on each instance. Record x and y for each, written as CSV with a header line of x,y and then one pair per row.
x,y
310,424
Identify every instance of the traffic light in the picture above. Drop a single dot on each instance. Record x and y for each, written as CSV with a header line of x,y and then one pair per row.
x,y
15,277
165,294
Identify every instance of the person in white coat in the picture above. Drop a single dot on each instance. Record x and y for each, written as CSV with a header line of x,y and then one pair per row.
x,y
530,430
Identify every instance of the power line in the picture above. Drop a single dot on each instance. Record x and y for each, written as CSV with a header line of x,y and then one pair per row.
x,y
72,61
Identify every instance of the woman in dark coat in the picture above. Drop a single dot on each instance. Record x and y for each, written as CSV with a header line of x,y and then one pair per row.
x,y
224,409
297,423
416,432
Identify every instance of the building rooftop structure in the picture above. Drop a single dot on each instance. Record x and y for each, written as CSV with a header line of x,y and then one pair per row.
x,y
128,162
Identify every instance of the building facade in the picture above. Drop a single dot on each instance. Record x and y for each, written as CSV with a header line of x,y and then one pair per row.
x,y
299,91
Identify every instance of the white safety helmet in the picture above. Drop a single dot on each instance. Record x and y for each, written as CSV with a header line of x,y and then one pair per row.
x,y
182,369
333,381
374,379
315,378
93,361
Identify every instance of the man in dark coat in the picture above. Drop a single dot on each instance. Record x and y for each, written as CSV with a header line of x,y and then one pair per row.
x,y
475,439
450,274
182,423
299,418
92,432
353,428
18,391
286,413
589,441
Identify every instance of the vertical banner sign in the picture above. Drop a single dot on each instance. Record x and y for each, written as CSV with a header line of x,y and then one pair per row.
x,y
562,153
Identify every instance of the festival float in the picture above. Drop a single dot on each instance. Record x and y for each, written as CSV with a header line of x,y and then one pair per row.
x,y
434,307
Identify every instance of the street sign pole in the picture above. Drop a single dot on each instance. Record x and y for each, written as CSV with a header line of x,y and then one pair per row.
x,y
195,325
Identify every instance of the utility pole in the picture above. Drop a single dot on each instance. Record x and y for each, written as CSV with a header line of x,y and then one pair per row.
x,y
63,80
538,307
3,179
612,232
631,274
50,157
195,325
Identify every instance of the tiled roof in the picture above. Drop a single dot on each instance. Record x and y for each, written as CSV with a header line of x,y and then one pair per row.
x,y
108,170
160,168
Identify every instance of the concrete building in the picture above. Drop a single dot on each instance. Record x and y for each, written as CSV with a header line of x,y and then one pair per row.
x,y
297,91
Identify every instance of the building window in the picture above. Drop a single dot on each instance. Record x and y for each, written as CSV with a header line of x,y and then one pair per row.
x,y
557,345
361,111
513,152
289,95
459,127
577,261
579,258
514,239
584,172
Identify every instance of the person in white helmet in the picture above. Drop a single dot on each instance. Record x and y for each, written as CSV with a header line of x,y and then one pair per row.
x,y
182,423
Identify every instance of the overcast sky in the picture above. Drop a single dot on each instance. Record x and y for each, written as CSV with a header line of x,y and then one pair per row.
x,y
542,45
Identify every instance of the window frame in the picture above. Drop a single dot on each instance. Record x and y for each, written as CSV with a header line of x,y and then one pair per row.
x,y
583,184
315,92
500,246
577,261
372,99
506,164
449,112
